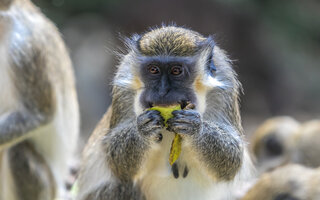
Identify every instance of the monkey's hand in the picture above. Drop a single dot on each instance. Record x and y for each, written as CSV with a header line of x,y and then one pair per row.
x,y
185,122
150,123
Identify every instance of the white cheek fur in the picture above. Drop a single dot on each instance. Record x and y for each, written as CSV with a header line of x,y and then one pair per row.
x,y
201,102
137,106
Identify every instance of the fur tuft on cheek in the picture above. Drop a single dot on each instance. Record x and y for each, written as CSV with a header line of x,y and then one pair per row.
x,y
130,81
127,75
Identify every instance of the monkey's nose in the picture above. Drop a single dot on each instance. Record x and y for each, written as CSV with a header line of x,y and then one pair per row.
x,y
163,92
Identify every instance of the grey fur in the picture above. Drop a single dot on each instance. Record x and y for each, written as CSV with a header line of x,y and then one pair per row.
x,y
124,138
187,122
44,88
150,123
31,175
219,146
118,191
35,92
132,146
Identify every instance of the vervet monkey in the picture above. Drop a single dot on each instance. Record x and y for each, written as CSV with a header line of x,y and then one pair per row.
x,y
289,182
269,143
39,119
127,155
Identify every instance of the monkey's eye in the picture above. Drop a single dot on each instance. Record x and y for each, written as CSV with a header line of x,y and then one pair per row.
x,y
176,70
153,69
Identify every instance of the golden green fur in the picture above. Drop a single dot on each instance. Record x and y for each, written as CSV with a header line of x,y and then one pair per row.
x,y
174,41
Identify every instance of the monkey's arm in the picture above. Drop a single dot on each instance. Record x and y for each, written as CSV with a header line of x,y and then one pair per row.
x,y
103,155
116,191
15,125
219,146
125,149
35,98
127,143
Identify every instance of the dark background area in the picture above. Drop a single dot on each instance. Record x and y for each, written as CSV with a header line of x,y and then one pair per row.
x,y
275,46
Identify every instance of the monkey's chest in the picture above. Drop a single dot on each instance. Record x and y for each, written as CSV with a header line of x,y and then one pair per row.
x,y
158,159
182,180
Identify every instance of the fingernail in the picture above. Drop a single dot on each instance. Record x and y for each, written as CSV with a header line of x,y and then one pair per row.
x,y
159,137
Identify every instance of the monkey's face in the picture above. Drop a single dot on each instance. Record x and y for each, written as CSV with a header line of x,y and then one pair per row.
x,y
167,81
172,65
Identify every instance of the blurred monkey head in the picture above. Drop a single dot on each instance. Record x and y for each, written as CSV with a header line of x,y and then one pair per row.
x,y
270,142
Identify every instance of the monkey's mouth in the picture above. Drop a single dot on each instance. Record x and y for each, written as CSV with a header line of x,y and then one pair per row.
x,y
184,104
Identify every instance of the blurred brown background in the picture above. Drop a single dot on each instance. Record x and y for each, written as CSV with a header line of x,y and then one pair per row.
x,y
275,46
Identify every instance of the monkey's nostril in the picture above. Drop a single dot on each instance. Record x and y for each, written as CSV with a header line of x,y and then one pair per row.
x,y
184,103
150,104
164,92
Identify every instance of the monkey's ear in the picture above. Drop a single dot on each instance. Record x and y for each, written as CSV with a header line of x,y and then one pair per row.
x,y
209,43
211,67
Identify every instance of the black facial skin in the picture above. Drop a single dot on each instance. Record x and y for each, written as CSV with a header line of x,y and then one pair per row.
x,y
167,81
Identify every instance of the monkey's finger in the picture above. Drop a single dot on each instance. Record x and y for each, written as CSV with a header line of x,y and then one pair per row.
x,y
186,119
180,128
186,113
148,116
152,113
193,120
143,119
151,130
157,122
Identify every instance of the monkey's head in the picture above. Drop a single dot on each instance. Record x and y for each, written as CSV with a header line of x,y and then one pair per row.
x,y
271,141
173,65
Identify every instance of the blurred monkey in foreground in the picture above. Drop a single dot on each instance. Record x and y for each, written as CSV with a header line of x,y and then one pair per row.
x,y
127,155
39,119
290,182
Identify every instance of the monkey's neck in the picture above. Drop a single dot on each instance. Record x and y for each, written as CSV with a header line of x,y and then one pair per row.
x,y
223,108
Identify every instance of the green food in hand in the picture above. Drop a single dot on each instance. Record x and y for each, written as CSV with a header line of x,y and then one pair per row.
x,y
175,149
166,113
